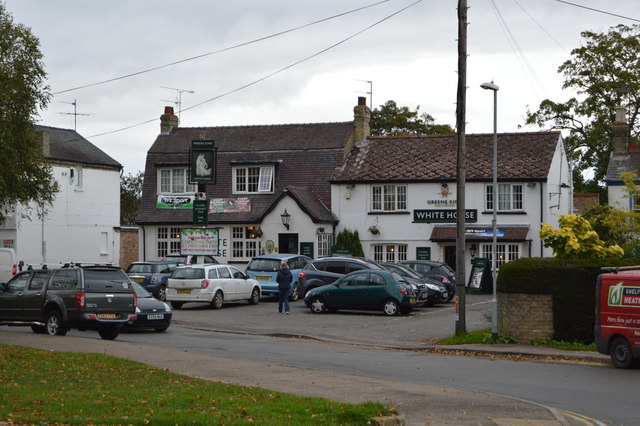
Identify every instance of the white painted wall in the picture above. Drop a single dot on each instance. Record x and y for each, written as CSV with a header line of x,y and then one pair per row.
x,y
300,223
353,206
79,226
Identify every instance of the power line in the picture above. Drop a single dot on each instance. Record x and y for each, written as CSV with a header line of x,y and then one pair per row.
x,y
598,10
270,74
540,26
133,74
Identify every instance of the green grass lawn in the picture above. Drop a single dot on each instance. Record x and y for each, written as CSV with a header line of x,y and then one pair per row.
x,y
76,388
484,337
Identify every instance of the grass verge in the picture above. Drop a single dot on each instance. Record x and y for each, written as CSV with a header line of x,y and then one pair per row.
x,y
76,388
484,337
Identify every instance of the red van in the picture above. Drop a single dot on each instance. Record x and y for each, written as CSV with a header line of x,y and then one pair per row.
x,y
617,328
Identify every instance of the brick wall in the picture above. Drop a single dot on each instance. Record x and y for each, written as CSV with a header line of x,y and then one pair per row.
x,y
128,246
525,316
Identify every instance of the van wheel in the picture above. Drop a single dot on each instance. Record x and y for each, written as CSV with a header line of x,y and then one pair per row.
x,y
176,305
620,352
255,297
109,332
218,300
53,322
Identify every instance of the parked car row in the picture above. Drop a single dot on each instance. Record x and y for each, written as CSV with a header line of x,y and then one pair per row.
x,y
58,298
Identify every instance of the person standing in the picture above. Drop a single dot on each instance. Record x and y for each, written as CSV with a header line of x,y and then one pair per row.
x,y
284,279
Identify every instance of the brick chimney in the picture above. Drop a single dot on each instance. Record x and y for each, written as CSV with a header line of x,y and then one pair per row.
x,y
620,132
44,139
168,121
361,126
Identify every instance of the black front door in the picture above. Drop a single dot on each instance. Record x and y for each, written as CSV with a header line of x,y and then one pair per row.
x,y
450,256
288,243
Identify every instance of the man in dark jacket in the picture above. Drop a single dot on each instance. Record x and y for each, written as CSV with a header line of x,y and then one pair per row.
x,y
284,279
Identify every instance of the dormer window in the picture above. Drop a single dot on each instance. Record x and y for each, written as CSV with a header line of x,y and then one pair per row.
x,y
175,181
253,179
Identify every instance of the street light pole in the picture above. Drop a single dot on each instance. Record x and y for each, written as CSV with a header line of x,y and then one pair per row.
x,y
494,271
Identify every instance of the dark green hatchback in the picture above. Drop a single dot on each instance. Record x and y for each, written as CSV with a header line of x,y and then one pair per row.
x,y
364,290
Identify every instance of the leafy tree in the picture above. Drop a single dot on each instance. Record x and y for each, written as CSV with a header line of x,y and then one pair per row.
x,y
605,72
618,226
130,195
576,240
24,175
391,120
349,239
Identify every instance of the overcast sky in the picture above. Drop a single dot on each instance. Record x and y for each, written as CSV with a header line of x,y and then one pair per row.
x,y
410,57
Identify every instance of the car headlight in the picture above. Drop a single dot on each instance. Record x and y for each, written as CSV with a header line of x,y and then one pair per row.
x,y
167,308
434,287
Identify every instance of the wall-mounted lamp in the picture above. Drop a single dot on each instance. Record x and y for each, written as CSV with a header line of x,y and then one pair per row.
x,y
285,218
564,185
320,230
531,184
472,250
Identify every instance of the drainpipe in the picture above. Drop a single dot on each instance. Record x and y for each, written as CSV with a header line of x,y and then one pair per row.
x,y
541,212
144,244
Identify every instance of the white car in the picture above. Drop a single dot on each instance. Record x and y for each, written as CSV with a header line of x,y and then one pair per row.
x,y
211,283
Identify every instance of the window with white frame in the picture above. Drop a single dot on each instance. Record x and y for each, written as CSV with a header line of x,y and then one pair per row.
x,y
389,252
325,243
76,178
175,181
245,243
388,197
168,241
253,179
505,253
509,197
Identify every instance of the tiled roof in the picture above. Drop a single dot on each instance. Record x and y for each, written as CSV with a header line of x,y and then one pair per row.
x,y
433,158
259,137
619,164
69,146
304,156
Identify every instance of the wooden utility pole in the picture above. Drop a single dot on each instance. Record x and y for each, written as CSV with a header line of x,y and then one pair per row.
x,y
461,106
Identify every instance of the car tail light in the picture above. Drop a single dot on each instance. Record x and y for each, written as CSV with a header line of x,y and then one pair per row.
x,y
445,279
403,291
301,274
135,300
204,284
14,270
154,279
80,299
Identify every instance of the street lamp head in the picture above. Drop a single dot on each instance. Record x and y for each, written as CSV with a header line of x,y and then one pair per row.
x,y
490,86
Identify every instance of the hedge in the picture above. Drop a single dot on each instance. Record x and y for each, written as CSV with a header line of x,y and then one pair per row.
x,y
571,284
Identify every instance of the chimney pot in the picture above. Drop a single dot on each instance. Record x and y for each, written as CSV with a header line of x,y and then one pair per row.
x,y
362,100
168,121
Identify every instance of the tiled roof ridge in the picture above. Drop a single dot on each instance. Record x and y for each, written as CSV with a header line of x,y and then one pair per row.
x,y
377,137
261,125
57,128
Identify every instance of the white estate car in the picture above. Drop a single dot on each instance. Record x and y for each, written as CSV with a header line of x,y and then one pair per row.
x,y
212,283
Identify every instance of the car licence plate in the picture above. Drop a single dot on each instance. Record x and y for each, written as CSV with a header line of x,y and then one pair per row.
x,y
412,300
138,280
184,291
155,316
106,316
263,278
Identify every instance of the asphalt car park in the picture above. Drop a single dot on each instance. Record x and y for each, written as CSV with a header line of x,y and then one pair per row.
x,y
345,325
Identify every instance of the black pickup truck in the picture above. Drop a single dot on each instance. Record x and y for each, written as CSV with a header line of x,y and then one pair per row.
x,y
53,300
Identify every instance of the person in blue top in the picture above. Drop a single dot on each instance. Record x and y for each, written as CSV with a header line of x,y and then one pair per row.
x,y
284,279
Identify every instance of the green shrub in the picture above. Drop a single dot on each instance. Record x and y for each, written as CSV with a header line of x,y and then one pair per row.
x,y
571,285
